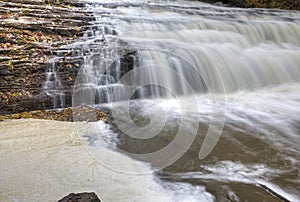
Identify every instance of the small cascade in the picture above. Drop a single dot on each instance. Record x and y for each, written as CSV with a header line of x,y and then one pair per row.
x,y
105,62
53,87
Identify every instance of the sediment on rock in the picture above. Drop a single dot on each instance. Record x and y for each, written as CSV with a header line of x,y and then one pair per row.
x,y
75,114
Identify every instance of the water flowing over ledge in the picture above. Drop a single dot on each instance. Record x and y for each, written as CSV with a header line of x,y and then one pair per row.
x,y
203,47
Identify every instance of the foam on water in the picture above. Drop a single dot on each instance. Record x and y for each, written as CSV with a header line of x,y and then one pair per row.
x,y
228,171
272,113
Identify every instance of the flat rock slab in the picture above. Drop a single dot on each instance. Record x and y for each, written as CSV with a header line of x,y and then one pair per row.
x,y
43,161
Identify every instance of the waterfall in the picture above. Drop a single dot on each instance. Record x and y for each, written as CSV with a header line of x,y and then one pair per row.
x,y
227,58
181,49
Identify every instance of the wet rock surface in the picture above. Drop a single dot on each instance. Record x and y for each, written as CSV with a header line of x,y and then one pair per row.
x,y
37,46
31,34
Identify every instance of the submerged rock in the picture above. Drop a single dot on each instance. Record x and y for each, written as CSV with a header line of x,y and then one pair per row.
x,y
81,197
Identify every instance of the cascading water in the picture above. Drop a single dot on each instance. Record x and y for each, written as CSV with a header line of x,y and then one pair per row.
x,y
52,87
217,49
236,74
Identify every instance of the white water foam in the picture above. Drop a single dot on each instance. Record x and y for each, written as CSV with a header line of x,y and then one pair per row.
x,y
228,171
271,113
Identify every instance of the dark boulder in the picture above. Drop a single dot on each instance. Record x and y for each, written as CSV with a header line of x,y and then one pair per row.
x,y
81,197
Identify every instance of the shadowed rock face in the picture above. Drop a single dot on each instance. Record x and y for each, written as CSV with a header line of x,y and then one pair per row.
x,y
81,197
287,4
237,3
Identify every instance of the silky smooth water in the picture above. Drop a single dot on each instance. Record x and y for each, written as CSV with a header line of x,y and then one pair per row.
x,y
212,100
